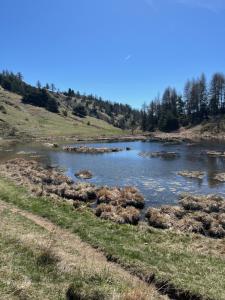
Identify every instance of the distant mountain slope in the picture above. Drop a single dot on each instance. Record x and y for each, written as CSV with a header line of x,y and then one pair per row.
x,y
17,118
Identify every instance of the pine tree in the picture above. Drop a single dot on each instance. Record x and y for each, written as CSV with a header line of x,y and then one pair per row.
x,y
38,85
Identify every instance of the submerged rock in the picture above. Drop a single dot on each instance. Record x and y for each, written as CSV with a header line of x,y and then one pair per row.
x,y
192,174
84,174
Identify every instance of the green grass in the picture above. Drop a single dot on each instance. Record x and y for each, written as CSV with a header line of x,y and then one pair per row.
x,y
30,271
38,122
168,255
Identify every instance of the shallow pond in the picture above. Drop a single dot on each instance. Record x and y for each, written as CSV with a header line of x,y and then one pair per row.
x,y
155,177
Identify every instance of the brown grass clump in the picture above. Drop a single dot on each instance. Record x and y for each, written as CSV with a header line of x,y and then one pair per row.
x,y
220,177
118,214
90,150
107,195
198,214
189,224
158,219
84,174
128,196
47,181
192,174
123,202
119,204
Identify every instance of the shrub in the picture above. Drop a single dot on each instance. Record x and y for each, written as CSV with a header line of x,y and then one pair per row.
x,y
80,111
41,98
3,109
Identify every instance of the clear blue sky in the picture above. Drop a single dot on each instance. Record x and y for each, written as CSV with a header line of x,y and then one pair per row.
x,y
123,50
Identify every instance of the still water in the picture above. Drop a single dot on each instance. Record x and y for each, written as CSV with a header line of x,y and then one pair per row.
x,y
156,178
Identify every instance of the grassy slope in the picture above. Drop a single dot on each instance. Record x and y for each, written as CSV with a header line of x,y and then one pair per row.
x,y
36,263
190,262
38,122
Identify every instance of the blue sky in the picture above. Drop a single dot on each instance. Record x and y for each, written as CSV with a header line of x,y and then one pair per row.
x,y
122,50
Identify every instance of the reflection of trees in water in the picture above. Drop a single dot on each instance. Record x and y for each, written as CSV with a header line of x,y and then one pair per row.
x,y
214,165
199,181
195,158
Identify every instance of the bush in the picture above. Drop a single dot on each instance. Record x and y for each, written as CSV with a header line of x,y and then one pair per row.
x,y
80,111
2,109
41,98
65,114
47,257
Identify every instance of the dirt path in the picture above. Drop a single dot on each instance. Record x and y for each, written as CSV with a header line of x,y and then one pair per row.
x,y
73,252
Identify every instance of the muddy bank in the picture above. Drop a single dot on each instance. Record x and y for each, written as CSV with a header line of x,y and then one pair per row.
x,y
195,213
121,205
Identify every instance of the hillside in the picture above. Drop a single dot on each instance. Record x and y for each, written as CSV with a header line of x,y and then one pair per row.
x,y
75,109
19,119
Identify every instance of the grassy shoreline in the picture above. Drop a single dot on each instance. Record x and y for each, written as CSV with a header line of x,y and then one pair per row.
x,y
185,264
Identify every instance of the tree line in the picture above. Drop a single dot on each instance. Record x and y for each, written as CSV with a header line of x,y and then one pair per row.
x,y
198,102
119,115
37,96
